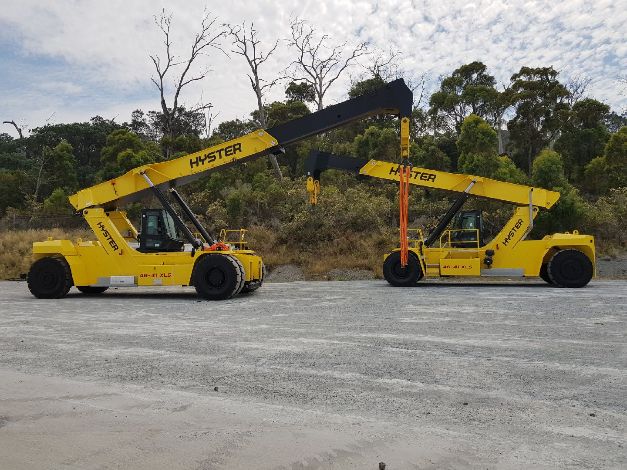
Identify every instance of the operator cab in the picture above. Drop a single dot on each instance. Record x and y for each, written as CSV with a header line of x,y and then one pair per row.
x,y
467,230
158,232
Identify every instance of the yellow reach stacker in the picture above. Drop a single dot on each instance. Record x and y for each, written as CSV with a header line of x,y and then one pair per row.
x,y
561,259
165,252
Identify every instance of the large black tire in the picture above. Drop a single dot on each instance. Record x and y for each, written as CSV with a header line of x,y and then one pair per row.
x,y
91,290
49,278
544,273
570,268
400,276
217,277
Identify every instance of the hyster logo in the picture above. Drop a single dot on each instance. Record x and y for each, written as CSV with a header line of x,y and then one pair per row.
x,y
512,232
214,155
415,174
108,237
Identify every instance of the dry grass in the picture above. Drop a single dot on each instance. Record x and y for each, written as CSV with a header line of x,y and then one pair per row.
x,y
16,248
353,251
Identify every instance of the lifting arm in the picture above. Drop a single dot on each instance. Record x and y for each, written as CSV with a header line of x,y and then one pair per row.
x,y
488,188
394,98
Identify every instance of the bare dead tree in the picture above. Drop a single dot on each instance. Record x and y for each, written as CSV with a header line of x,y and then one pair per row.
x,y
247,44
418,84
17,128
210,116
577,86
207,38
318,63
384,65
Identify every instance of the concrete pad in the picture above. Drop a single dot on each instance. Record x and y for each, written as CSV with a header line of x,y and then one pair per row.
x,y
316,375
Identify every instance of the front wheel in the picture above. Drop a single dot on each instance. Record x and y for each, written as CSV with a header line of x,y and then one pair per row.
x,y
218,277
49,278
570,268
398,275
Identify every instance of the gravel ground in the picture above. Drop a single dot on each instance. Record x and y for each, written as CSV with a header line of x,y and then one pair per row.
x,y
311,375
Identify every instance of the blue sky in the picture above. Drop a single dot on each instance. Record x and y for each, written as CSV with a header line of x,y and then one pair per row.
x,y
68,61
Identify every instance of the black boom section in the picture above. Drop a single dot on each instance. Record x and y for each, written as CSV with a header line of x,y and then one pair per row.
x,y
190,215
394,98
318,161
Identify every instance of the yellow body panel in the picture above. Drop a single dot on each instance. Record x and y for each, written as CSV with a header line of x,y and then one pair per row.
x,y
459,267
93,263
513,255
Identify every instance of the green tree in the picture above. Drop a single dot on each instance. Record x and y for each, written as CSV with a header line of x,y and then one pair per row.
x,y
57,204
279,112
14,184
609,170
583,135
86,139
613,121
541,108
366,86
379,143
477,137
616,158
596,176
56,169
548,172
477,147
427,154
228,130
508,171
124,151
468,90
300,91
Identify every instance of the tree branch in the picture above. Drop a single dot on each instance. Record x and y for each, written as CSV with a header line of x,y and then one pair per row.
x,y
17,128
318,64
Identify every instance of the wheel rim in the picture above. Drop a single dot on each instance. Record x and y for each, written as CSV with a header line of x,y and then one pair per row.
x,y
48,280
400,271
572,269
215,277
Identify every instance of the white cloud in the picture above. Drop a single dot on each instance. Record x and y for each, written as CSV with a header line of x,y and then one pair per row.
x,y
101,48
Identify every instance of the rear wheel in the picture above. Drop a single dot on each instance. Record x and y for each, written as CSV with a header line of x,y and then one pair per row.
x,y
91,290
49,278
398,275
217,277
570,268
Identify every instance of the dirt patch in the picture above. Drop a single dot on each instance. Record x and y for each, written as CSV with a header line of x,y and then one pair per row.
x,y
286,273
612,268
